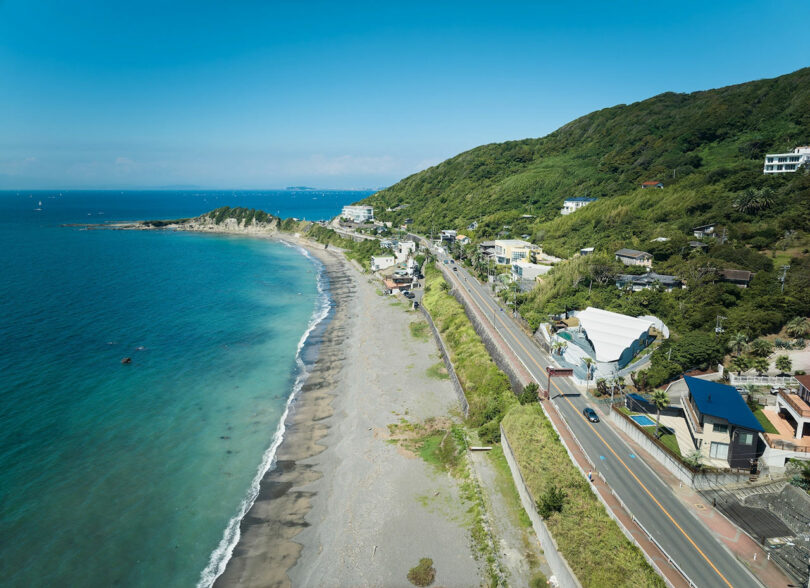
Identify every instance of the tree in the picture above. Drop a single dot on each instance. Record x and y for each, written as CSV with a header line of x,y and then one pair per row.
x,y
738,342
798,327
783,364
529,393
761,348
740,364
761,364
559,347
588,371
551,501
754,200
661,400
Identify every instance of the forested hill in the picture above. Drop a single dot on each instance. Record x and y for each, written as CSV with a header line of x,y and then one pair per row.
x,y
707,147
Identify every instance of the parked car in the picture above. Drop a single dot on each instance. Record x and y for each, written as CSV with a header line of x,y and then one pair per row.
x,y
455,268
590,414
408,294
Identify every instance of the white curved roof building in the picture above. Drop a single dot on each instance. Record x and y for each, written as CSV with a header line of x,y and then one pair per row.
x,y
614,336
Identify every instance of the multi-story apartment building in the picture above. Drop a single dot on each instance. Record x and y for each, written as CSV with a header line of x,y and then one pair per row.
x,y
780,163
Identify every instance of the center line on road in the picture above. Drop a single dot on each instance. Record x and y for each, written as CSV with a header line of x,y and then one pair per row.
x,y
595,432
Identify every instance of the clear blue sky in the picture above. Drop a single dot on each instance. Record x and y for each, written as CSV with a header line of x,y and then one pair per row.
x,y
245,94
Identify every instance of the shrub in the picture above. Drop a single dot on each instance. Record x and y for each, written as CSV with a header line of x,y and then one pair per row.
x,y
422,574
529,393
490,432
551,501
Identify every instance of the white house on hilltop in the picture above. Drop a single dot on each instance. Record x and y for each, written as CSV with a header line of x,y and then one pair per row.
x,y
780,163
358,214
573,204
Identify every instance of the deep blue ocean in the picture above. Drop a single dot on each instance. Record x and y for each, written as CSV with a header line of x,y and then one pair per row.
x,y
136,474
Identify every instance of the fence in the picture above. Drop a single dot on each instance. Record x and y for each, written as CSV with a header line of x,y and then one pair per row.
x,y
462,398
744,379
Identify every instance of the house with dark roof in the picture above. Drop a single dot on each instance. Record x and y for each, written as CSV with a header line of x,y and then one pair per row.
x,y
721,425
653,184
739,278
704,231
633,257
647,281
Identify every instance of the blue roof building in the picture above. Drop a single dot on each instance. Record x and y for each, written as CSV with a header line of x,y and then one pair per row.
x,y
722,426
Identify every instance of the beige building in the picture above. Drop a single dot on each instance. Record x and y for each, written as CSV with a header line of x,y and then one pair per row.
x,y
508,251
633,257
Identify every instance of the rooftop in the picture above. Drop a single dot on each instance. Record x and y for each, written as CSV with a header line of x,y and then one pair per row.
x,y
722,401
733,274
512,243
804,381
580,199
632,253
610,332
650,278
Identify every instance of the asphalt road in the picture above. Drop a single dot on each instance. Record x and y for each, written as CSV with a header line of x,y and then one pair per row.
x,y
705,561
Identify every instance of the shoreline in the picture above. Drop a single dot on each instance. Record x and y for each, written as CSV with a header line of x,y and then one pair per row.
x,y
265,550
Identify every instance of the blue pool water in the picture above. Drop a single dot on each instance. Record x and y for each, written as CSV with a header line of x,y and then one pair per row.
x,y
135,475
643,420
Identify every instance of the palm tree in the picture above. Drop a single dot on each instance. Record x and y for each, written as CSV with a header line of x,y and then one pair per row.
x,y
740,364
661,400
784,364
761,364
738,342
798,327
559,347
761,348
588,367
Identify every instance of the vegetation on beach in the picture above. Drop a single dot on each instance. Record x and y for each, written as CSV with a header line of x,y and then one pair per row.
x,y
420,330
359,251
486,387
423,573
592,543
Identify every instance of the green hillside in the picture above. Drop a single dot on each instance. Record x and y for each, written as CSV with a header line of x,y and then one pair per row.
x,y
706,147
712,142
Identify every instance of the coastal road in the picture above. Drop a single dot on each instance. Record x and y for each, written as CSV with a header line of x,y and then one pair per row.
x,y
702,558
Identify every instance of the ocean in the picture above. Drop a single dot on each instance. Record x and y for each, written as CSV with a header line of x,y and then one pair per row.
x,y
137,474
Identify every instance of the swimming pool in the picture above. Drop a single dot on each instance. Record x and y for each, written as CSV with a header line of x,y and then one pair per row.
x,y
643,420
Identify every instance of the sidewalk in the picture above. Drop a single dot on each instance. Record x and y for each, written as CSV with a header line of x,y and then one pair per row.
x,y
672,576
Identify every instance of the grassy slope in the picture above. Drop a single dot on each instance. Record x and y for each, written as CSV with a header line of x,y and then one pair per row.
x,y
591,542
487,388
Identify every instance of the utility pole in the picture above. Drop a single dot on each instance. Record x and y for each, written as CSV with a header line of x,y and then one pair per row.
x,y
718,326
785,269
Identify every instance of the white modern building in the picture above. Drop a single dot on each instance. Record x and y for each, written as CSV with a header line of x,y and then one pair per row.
x,y
780,163
358,214
379,262
523,270
573,204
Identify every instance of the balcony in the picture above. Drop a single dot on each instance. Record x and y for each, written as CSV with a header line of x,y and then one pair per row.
x,y
691,417
795,402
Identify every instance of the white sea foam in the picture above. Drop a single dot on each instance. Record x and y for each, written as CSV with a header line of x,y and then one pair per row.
x,y
230,538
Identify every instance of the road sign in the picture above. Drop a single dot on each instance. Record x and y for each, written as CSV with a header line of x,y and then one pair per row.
x,y
552,371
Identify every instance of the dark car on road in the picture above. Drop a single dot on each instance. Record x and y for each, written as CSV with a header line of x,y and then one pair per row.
x,y
590,414
409,294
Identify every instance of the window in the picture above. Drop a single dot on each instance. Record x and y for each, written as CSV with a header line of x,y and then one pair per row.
x,y
746,438
718,450
720,428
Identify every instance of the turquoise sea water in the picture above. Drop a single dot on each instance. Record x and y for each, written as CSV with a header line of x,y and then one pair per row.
x,y
130,475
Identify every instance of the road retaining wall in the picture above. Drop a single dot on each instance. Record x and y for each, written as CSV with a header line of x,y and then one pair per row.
x,y
462,398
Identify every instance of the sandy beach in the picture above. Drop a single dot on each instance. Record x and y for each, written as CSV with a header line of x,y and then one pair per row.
x,y
344,507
